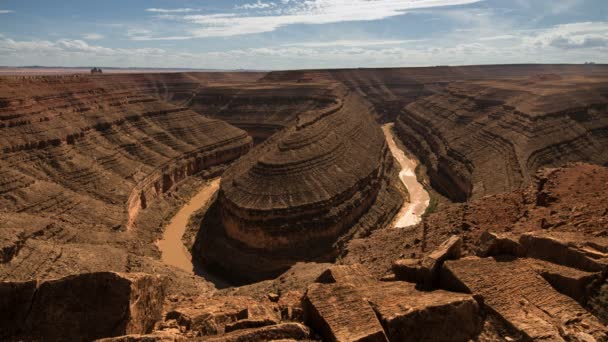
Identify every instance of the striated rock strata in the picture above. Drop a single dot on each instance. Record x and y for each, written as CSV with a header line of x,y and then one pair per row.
x,y
82,157
487,137
293,196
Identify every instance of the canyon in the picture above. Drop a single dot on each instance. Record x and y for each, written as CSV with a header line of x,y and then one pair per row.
x,y
445,203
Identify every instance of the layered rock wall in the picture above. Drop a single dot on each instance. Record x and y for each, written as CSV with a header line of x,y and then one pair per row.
x,y
294,195
83,156
480,138
261,109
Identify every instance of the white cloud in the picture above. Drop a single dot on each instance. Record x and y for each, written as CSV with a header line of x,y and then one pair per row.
x,y
256,5
93,36
351,43
574,35
549,45
69,47
310,12
6,11
172,10
501,37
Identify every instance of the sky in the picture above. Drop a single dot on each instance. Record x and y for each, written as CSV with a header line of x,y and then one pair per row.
x,y
298,34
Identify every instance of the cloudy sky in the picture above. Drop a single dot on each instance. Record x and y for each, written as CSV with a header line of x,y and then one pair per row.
x,y
294,34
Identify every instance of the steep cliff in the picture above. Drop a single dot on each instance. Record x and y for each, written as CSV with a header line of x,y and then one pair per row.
x,y
485,137
293,196
84,156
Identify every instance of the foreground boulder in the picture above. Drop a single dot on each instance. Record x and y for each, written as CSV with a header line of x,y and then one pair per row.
x,y
493,244
569,249
519,295
81,307
381,311
425,272
339,313
279,332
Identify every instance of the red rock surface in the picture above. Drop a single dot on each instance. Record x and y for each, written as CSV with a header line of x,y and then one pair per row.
x,y
82,158
90,166
85,306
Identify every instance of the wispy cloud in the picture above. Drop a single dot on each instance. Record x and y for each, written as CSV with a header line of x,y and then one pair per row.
x,y
355,43
256,5
310,12
93,36
500,37
172,10
68,46
6,11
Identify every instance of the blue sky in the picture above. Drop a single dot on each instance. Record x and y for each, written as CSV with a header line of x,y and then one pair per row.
x,y
293,34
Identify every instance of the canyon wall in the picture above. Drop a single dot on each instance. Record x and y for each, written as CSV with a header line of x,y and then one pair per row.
x,y
84,155
391,89
261,108
485,137
294,195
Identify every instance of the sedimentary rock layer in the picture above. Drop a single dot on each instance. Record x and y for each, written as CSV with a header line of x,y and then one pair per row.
x,y
262,108
391,89
81,157
295,194
480,138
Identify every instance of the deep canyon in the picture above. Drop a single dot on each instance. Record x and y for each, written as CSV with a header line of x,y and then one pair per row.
x,y
444,203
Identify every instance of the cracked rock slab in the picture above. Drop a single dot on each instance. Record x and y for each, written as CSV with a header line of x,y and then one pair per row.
x,y
518,294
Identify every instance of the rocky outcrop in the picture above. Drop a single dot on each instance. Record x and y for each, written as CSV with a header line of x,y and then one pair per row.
x,y
293,196
81,307
367,310
217,316
425,271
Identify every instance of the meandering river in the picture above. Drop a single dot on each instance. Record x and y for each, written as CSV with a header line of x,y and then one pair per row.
x,y
174,252
410,213
172,248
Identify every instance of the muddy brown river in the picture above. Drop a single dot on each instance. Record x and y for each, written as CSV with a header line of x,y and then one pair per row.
x,y
173,251
410,213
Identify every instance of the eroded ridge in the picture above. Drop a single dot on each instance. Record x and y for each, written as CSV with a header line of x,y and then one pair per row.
x,y
295,194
